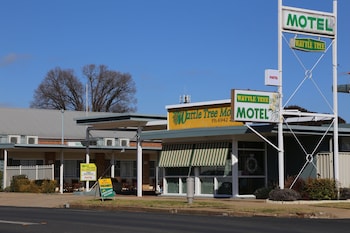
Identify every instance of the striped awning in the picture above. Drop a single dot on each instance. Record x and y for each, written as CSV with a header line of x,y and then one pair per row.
x,y
176,155
210,154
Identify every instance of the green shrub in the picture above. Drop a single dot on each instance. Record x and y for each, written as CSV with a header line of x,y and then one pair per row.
x,y
48,186
262,193
1,177
30,187
321,189
284,195
345,193
19,183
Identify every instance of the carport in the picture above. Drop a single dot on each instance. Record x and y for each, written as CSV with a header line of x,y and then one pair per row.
x,y
130,122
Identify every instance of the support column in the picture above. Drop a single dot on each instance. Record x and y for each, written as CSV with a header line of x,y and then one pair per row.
x,y
4,177
280,112
335,100
139,163
87,156
61,171
234,169
113,165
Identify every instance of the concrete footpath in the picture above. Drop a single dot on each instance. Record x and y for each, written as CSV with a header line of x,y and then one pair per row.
x,y
234,207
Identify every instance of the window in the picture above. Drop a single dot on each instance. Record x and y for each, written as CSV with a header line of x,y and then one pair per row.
x,y
177,171
152,168
126,169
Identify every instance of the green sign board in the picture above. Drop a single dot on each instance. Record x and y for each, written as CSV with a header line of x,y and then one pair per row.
x,y
308,44
106,188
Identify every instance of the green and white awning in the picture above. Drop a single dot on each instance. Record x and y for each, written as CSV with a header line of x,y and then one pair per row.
x,y
176,155
210,154
202,154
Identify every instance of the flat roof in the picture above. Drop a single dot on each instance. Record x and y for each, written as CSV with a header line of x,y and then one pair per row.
x,y
124,121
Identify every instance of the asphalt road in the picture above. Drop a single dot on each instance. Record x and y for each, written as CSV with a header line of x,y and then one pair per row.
x,y
53,220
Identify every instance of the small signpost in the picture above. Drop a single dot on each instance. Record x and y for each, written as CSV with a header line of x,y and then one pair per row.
x,y
106,188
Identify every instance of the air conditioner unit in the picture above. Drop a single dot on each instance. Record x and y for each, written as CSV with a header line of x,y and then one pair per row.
x,y
124,142
109,141
15,139
32,139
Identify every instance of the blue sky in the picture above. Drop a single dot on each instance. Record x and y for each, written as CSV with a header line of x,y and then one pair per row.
x,y
203,48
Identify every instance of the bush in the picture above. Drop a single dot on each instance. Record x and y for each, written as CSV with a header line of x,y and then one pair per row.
x,y
345,193
21,183
48,186
321,189
262,193
18,183
1,177
284,195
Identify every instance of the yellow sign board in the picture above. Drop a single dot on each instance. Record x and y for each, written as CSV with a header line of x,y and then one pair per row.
x,y
201,117
88,172
106,188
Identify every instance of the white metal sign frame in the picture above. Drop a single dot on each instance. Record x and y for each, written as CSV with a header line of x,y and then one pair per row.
x,y
314,23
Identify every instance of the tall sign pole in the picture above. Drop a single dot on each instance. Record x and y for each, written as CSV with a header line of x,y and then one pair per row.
x,y
280,113
335,96
314,23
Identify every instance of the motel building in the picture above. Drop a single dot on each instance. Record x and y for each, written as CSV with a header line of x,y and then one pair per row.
x,y
229,159
154,153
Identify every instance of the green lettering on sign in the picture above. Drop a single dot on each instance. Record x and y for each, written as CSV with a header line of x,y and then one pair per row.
x,y
313,22
252,113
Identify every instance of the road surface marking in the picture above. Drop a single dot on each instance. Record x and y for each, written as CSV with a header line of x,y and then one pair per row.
x,y
19,223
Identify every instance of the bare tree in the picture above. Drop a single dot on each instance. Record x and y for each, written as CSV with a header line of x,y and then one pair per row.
x,y
109,91
60,89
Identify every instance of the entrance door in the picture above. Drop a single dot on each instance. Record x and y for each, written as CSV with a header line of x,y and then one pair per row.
x,y
251,166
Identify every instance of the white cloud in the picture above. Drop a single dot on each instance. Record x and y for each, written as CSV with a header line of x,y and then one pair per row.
x,y
12,58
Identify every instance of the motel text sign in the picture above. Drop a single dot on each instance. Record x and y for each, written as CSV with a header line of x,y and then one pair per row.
x,y
307,21
255,106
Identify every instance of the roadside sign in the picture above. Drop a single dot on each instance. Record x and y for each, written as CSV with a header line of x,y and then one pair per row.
x,y
307,44
106,188
272,78
88,172
255,106
307,21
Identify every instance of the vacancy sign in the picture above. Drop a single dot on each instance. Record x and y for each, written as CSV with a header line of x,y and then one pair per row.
x,y
255,106
308,21
272,78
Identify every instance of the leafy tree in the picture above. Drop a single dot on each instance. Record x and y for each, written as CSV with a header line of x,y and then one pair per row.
x,y
60,89
109,91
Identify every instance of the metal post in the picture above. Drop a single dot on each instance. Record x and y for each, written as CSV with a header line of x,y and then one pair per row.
x,y
280,123
335,99
87,156
62,156
234,168
113,165
4,176
139,163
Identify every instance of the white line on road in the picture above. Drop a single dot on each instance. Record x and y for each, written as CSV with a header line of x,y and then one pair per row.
x,y
19,223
